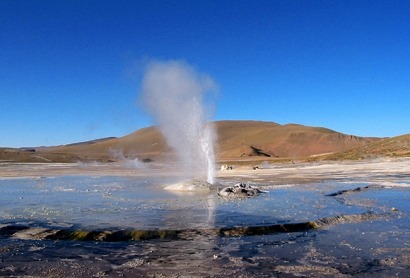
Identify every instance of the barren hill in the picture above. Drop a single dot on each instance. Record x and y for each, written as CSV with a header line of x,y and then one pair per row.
x,y
244,139
398,146
235,140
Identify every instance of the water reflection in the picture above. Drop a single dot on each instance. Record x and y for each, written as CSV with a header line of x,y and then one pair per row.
x,y
212,236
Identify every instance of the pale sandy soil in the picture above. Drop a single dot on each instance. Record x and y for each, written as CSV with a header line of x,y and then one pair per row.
x,y
298,172
371,170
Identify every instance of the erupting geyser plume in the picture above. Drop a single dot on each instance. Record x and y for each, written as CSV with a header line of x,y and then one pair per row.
x,y
175,95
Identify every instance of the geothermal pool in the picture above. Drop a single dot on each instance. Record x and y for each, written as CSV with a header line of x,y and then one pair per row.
x,y
317,219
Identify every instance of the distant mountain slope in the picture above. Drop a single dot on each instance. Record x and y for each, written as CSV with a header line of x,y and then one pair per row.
x,y
398,146
146,141
92,141
235,139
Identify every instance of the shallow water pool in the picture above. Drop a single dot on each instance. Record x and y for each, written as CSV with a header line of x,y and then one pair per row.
x,y
58,226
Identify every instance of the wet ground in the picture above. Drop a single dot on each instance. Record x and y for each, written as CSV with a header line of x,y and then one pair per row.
x,y
316,220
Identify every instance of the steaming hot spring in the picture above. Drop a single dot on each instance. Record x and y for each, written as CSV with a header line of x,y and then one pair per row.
x,y
194,185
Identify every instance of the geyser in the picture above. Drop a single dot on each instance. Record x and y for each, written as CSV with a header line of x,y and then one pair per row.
x,y
177,97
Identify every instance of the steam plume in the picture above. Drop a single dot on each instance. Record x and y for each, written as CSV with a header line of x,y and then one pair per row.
x,y
173,92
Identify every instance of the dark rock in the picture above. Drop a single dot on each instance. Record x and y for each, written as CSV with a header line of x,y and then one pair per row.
x,y
240,190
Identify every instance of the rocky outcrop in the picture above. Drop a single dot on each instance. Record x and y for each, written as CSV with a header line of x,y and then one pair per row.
x,y
240,190
225,167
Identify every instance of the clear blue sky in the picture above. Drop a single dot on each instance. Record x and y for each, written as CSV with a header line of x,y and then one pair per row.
x,y
70,70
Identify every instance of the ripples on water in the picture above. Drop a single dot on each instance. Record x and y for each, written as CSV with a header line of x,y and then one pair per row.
x,y
111,204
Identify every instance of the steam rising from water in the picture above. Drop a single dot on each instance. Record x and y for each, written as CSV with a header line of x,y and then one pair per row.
x,y
174,94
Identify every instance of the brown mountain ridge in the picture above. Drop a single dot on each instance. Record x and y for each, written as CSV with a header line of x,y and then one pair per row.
x,y
398,146
236,140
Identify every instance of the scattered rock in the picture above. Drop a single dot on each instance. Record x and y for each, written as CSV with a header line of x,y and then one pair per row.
x,y
240,190
225,167
347,191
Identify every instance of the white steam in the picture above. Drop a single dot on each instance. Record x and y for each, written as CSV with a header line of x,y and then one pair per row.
x,y
126,162
174,94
